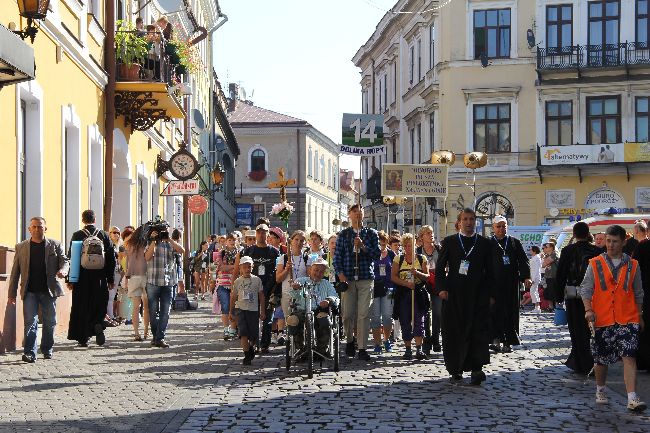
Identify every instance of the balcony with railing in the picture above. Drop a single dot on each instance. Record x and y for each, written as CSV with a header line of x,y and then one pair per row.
x,y
580,58
148,85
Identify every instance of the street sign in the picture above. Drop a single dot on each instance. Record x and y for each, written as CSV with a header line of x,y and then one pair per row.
x,y
363,134
181,187
244,215
422,180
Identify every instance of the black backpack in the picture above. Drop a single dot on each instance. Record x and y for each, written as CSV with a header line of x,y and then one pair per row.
x,y
579,264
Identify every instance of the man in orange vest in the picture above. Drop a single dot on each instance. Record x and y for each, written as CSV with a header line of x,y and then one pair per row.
x,y
613,298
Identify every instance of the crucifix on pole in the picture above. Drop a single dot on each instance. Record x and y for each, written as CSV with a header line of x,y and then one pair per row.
x,y
282,183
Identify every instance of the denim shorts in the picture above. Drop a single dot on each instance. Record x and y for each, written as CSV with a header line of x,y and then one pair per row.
x,y
612,343
223,294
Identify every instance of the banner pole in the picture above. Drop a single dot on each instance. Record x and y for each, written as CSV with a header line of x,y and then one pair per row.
x,y
413,262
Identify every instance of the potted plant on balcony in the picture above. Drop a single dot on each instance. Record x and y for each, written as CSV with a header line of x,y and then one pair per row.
x,y
184,57
130,48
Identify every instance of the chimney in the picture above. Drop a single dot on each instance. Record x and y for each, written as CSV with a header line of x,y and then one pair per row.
x,y
233,90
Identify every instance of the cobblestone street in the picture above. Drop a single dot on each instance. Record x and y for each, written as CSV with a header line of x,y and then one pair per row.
x,y
199,384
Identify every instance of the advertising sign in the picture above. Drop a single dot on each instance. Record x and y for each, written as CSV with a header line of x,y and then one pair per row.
x,y
528,235
595,153
181,187
244,215
425,180
363,134
197,204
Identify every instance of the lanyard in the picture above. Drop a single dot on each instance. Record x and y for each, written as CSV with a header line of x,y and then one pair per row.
x,y
296,270
463,246
499,244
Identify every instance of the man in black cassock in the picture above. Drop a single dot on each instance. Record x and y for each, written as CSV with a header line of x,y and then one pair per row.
x,y
90,293
510,267
642,255
466,292
570,272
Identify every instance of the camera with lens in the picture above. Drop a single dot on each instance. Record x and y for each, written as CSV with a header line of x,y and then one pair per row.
x,y
157,229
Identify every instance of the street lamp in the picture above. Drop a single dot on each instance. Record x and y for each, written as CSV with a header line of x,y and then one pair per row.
x,y
32,10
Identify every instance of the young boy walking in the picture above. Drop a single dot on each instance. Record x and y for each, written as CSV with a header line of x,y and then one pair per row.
x,y
247,303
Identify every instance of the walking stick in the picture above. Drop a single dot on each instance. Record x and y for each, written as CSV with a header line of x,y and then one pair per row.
x,y
413,260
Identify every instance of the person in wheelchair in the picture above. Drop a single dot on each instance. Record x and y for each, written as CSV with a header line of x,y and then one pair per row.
x,y
325,300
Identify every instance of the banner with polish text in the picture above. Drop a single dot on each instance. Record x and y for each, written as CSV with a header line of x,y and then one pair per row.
x,y
422,180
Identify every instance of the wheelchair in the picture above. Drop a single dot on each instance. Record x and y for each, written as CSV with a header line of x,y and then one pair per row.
x,y
306,332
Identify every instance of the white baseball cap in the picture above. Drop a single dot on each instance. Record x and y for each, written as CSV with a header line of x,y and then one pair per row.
x,y
250,233
499,219
262,227
319,261
245,259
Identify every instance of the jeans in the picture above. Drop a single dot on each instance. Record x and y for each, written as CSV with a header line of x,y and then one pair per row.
x,y
31,303
381,312
160,301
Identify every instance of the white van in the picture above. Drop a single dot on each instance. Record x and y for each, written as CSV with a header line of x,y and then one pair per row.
x,y
599,223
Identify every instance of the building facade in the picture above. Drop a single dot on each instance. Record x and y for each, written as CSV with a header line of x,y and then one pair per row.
x,y
270,141
511,78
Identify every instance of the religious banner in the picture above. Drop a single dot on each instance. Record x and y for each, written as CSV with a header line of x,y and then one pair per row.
x,y
422,180
363,134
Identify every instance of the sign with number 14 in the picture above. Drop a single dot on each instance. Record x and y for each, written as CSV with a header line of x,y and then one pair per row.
x,y
363,134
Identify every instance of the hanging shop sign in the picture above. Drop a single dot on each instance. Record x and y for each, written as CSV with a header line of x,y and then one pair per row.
x,y
197,204
426,180
181,187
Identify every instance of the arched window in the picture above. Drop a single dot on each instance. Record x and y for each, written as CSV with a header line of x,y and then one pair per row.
x,y
316,165
309,163
322,169
258,160
329,173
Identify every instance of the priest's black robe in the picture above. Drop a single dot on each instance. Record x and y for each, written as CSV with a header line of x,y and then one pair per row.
x,y
90,293
642,254
465,314
508,273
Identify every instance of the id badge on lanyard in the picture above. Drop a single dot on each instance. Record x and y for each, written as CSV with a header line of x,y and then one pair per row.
x,y
261,270
382,270
506,260
464,267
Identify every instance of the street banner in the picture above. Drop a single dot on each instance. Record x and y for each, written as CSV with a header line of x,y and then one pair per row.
x,y
595,154
181,187
528,235
421,180
363,135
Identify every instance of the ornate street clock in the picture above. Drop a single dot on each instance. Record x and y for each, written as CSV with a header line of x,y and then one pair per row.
x,y
182,164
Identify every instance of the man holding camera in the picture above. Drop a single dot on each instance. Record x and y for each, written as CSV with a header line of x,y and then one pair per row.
x,y
161,279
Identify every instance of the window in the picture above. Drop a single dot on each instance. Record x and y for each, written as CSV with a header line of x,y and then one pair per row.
x,y
642,23
411,63
642,117
603,119
322,170
258,160
492,33
431,47
418,137
394,81
419,60
412,143
604,22
559,27
381,93
394,155
335,175
309,163
432,130
559,123
492,128
385,99
329,173
316,165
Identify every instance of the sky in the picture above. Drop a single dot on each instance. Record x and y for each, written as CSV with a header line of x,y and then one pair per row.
x,y
295,56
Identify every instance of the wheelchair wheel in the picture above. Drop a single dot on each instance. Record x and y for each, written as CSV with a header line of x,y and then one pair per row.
x,y
336,343
287,354
309,344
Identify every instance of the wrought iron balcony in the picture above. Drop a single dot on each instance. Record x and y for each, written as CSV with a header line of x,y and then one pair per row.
x,y
146,74
578,57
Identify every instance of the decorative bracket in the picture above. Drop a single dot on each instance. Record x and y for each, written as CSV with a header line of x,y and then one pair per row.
x,y
130,104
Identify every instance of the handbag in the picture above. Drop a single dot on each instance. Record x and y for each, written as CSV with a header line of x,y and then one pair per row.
x,y
422,297
571,292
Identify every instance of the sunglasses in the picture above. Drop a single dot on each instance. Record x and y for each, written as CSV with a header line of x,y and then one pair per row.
x,y
115,233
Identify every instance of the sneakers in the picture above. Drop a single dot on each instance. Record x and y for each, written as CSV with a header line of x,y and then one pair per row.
x,y
601,398
388,346
47,356
420,355
282,339
377,349
496,348
363,356
349,349
537,310
635,405
227,335
274,338
29,358
162,344
408,354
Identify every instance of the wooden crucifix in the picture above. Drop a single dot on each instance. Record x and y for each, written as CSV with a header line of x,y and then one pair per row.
x,y
282,183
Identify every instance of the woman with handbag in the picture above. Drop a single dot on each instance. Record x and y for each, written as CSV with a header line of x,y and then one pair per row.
x,y
409,274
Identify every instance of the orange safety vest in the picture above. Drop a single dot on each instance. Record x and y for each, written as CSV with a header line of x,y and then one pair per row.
x,y
613,300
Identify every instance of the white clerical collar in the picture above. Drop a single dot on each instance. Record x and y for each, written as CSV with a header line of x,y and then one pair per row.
x,y
469,235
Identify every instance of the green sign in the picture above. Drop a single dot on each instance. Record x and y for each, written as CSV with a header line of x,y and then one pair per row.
x,y
363,134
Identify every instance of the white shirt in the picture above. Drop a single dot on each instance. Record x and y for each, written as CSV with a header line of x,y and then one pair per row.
x,y
536,269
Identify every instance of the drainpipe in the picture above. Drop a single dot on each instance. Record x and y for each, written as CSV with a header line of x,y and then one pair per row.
x,y
109,104
186,213
298,176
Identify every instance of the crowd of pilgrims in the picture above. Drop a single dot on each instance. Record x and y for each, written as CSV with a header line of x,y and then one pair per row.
x,y
468,290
